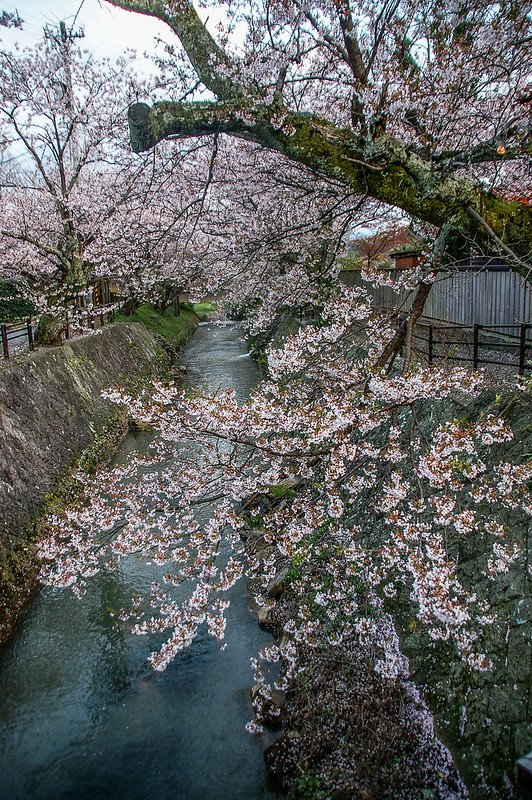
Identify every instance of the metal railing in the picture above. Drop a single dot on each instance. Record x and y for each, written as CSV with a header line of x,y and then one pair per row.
x,y
20,336
500,345
16,337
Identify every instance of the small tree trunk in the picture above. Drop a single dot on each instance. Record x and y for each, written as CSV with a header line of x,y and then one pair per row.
x,y
405,331
130,306
166,298
417,309
394,346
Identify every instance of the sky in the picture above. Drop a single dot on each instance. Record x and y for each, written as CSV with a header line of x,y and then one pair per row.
x,y
108,30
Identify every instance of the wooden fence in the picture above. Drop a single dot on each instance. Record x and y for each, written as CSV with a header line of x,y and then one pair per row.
x,y
76,322
494,296
480,314
79,321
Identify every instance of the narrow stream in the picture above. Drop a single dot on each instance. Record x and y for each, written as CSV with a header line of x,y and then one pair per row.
x,y
81,714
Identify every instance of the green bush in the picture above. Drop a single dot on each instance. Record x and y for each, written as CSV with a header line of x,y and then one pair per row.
x,y
13,306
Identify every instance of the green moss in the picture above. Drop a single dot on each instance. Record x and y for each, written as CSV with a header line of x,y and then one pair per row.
x,y
278,491
310,787
49,329
18,567
175,330
352,261
384,169
257,521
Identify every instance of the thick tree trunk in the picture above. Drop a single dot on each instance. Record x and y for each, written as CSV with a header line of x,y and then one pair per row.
x,y
167,298
49,330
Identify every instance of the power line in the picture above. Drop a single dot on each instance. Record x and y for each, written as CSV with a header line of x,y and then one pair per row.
x,y
64,36
64,39
77,12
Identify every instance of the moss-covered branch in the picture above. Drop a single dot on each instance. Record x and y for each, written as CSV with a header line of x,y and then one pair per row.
x,y
382,167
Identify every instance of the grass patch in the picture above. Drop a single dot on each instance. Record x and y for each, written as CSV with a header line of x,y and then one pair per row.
x,y
279,492
204,307
175,330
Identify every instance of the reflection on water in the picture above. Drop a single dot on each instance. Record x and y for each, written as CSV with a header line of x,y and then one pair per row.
x,y
81,714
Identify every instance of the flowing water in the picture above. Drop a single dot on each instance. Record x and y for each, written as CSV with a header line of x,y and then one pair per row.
x,y
81,714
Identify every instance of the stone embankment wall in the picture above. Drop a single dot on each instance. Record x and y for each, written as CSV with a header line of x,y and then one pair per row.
x,y
486,717
52,414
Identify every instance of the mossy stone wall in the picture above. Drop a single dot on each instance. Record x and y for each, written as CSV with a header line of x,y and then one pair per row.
x,y
52,416
486,717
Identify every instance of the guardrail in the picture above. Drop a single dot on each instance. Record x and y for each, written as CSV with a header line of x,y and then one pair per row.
x,y
479,344
12,335
20,336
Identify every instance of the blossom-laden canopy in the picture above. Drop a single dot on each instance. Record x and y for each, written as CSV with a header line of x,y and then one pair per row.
x,y
423,106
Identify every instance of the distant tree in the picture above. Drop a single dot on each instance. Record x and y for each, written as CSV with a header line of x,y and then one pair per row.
x,y
13,304
11,19
375,248
207,217
67,169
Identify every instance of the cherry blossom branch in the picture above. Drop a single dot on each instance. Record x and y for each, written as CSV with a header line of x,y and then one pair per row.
x,y
213,66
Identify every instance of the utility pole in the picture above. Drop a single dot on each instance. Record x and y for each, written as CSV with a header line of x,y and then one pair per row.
x,y
67,135
64,38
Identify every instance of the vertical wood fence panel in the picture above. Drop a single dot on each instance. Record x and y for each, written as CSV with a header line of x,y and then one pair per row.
x,y
485,316
467,297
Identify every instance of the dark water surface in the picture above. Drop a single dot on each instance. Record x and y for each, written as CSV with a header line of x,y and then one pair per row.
x,y
81,714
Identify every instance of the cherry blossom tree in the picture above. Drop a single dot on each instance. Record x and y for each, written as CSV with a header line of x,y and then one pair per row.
x,y
144,243
324,399
218,219
344,111
320,449
67,171
332,482
271,234
422,106
204,217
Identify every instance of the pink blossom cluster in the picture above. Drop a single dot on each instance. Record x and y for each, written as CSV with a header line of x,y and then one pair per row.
x,y
322,449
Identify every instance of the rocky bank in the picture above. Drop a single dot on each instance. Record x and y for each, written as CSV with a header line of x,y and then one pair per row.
x,y
349,734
